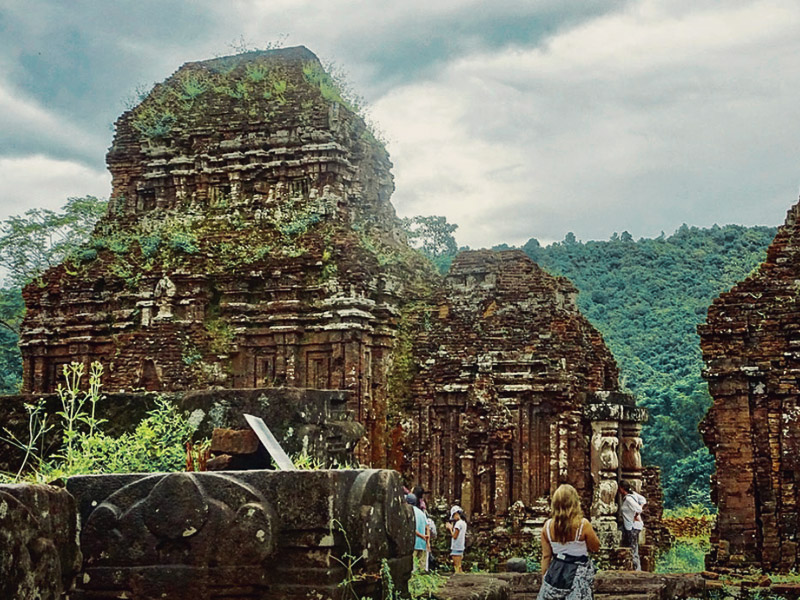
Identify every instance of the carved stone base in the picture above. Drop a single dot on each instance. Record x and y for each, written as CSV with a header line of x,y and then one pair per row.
x,y
251,535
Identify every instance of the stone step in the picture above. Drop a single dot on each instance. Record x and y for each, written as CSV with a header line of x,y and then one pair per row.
x,y
634,596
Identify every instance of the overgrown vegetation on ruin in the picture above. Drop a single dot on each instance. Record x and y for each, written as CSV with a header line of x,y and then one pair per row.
x,y
259,84
157,444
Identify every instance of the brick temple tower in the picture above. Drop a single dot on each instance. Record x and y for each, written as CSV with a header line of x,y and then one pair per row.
x,y
249,242
751,347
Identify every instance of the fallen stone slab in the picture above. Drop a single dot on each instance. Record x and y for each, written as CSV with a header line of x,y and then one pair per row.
x,y
626,585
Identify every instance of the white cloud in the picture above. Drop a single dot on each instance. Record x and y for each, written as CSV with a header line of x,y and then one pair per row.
x,y
638,120
43,182
26,124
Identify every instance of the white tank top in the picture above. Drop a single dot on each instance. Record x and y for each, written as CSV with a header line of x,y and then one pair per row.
x,y
577,547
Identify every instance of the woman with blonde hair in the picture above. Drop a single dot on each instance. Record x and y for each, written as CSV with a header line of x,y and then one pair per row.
x,y
567,540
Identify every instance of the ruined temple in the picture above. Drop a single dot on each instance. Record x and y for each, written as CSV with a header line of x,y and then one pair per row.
x,y
751,348
515,393
249,242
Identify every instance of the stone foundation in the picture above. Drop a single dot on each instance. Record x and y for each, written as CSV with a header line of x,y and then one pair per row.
x,y
608,586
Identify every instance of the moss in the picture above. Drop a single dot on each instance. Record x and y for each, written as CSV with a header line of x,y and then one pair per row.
x,y
404,367
221,336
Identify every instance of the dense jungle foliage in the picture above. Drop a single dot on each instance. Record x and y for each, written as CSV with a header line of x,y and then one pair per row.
x,y
647,297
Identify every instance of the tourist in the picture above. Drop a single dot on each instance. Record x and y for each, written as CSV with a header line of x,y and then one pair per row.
x,y
432,533
457,526
420,533
638,523
419,492
567,540
631,509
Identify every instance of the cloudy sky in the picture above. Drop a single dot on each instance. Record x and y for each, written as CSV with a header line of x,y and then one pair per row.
x,y
513,119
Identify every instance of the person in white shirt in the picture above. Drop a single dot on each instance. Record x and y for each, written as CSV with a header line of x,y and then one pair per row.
x,y
457,527
631,513
638,523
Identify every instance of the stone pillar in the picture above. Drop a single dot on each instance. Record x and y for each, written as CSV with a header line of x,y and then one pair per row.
x,y
485,475
630,453
563,447
468,484
502,477
604,476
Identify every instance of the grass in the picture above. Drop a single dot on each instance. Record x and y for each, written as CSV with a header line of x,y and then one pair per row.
x,y
685,556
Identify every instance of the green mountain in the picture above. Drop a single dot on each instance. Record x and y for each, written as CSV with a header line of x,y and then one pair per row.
x,y
647,298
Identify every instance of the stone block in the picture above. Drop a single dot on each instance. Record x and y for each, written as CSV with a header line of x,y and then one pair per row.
x,y
234,441
250,535
239,462
516,565
39,555
470,586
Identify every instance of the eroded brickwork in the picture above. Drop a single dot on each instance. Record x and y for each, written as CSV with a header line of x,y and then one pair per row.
x,y
249,242
751,347
515,392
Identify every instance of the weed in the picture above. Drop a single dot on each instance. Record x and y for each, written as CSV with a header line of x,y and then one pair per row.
x,y
350,561
191,87
153,122
183,241
149,245
157,443
86,254
425,585
221,336
685,556
256,72
32,447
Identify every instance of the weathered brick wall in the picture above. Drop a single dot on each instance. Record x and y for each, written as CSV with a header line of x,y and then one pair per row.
x,y
656,532
509,379
250,242
751,347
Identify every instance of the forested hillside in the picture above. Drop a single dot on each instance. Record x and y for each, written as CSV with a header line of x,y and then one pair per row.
x,y
647,297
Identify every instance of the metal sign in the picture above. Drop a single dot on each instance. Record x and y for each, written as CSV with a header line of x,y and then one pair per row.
x,y
270,443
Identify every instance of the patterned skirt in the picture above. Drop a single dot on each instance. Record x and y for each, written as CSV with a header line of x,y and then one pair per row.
x,y
581,588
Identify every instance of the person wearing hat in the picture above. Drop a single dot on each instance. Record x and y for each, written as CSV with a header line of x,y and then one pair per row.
x,y
458,531
420,533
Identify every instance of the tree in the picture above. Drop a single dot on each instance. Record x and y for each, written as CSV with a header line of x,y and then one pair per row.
x,y
42,238
29,245
433,236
